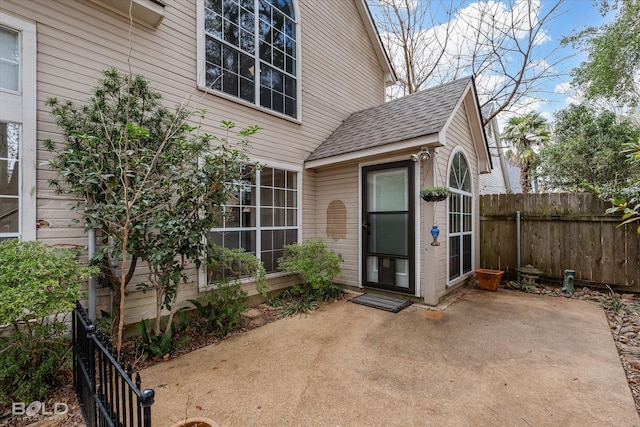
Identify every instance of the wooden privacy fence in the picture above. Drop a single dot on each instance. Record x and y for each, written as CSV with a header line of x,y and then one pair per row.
x,y
558,232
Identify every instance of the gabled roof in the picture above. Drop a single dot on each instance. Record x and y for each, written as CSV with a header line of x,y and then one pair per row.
x,y
412,117
390,74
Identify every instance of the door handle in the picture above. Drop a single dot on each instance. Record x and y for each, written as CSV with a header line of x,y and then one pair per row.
x,y
365,224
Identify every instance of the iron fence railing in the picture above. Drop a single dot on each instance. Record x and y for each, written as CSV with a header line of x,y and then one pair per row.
x,y
108,391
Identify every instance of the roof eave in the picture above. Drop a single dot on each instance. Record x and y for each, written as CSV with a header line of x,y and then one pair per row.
x,y
431,140
474,118
479,133
390,77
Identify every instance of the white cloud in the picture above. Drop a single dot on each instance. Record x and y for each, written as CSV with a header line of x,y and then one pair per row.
x,y
562,88
470,36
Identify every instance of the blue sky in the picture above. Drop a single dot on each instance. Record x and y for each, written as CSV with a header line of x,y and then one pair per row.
x,y
577,15
572,16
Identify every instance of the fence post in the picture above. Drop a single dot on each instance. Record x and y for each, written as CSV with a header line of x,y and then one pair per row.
x,y
74,343
146,398
91,361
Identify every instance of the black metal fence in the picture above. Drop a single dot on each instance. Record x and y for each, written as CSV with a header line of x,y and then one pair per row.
x,y
109,393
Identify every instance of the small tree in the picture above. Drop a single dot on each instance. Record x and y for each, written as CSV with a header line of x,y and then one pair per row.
x,y
611,70
628,200
145,178
38,285
185,197
524,133
587,151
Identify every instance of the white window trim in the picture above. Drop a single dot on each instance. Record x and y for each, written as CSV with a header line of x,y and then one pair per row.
x,y
463,276
21,108
201,63
202,272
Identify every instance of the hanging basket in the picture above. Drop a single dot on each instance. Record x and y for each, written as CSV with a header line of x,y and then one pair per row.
x,y
435,194
434,197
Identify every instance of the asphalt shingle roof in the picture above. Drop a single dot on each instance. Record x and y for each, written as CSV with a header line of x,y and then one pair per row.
x,y
419,114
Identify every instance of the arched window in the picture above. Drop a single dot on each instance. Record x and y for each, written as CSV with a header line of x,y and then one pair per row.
x,y
250,52
460,217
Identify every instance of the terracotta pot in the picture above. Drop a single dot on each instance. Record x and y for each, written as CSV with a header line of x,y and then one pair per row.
x,y
196,422
488,279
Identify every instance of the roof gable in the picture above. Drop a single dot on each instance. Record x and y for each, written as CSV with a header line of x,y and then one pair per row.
x,y
417,115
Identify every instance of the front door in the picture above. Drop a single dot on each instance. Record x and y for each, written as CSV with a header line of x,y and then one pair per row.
x,y
388,227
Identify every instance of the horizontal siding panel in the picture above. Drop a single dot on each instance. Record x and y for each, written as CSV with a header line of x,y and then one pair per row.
x,y
340,74
341,184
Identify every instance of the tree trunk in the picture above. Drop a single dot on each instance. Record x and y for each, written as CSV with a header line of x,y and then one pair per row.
x,y
525,181
114,285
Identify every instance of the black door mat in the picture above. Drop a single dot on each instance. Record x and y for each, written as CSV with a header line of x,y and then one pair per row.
x,y
381,302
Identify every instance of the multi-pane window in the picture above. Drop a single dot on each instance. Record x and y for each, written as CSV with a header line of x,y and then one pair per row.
x,y
9,180
9,59
17,128
460,217
261,216
250,52
10,134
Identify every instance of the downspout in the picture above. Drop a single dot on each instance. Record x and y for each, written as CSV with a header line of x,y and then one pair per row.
x,y
91,248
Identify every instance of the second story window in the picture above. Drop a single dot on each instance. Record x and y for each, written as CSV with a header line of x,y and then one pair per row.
x,y
250,52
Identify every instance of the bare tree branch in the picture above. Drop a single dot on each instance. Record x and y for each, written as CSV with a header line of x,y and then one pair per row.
x,y
502,44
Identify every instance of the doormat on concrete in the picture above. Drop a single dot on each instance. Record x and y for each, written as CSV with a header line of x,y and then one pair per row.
x,y
381,302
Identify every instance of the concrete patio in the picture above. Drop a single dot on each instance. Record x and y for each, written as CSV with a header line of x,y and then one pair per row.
x,y
487,359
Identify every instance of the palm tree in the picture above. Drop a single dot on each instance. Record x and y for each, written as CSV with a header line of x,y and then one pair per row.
x,y
524,133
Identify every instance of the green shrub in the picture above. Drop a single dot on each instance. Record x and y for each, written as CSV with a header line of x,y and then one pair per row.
x,y
317,266
225,265
298,303
222,309
29,368
38,286
161,345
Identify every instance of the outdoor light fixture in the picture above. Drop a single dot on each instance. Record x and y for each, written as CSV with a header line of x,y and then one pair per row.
x,y
423,154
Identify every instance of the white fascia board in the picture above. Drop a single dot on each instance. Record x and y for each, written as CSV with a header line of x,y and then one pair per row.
x,y
381,52
432,140
149,13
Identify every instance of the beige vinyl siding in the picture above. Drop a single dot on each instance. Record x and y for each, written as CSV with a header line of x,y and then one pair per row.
x,y
309,197
494,182
459,134
341,87
338,70
341,183
433,259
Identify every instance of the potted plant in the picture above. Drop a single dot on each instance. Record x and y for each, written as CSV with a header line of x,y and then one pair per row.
x,y
434,194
